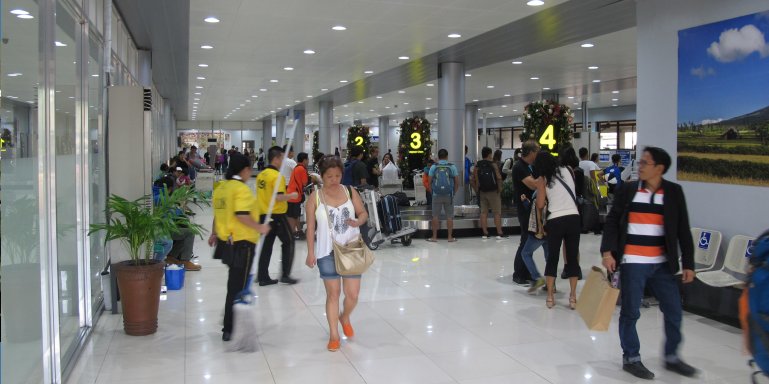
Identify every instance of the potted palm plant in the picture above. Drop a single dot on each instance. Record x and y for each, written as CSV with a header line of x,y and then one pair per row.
x,y
137,225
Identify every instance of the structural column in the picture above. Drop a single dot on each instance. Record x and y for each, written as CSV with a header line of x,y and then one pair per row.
x,y
471,131
298,139
325,125
266,134
280,129
384,134
451,113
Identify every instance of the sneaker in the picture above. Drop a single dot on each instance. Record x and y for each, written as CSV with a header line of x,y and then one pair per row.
x,y
502,237
537,285
288,280
485,237
519,281
263,283
681,368
638,370
226,336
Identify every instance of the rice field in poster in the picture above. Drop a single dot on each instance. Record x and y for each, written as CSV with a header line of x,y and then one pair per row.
x,y
723,101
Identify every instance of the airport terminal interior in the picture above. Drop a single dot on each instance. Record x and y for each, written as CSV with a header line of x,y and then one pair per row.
x,y
130,126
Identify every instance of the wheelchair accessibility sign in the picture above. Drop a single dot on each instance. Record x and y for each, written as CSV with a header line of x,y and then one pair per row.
x,y
704,242
749,249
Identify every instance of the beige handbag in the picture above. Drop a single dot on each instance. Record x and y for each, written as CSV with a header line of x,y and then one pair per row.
x,y
352,258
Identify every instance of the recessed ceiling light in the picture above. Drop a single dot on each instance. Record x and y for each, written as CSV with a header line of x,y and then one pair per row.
x,y
368,72
587,45
309,96
360,102
242,105
405,103
379,97
507,95
14,74
198,87
546,88
614,99
454,36
468,74
343,81
401,91
339,28
27,17
195,103
515,110
534,78
571,97
198,93
19,12
60,44
475,99
201,78
273,81
614,105
206,47
324,89
428,98
430,84
535,3
309,52
403,57
576,103
596,81
592,67
203,65
254,96
288,68
490,86
615,92
387,107
272,111
263,89
196,99
517,62
211,19
504,106
248,100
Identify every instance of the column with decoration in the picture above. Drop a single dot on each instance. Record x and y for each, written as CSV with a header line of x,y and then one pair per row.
x,y
549,123
315,144
414,147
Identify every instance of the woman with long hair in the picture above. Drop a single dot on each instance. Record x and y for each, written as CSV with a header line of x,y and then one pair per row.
x,y
344,208
235,230
555,187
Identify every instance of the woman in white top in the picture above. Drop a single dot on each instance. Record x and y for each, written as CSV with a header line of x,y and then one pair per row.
x,y
389,170
345,208
556,187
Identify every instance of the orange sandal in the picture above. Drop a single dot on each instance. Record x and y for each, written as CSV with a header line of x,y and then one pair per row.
x,y
333,345
347,330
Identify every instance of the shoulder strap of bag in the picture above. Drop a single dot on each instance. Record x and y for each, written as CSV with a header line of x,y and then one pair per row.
x,y
571,193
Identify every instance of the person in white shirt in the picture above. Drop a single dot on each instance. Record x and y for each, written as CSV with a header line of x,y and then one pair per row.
x,y
585,163
290,165
389,170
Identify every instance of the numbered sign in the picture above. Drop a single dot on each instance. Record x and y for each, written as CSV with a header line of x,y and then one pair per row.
x,y
704,242
358,140
548,139
416,145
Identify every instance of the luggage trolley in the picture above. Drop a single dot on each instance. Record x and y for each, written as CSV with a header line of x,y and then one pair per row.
x,y
384,221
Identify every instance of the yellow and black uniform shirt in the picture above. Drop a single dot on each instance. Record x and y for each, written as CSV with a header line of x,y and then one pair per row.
x,y
231,198
265,184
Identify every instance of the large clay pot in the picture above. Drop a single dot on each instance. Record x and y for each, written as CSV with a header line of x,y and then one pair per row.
x,y
139,287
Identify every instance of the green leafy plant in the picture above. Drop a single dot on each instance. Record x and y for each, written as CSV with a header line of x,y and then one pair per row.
x,y
137,224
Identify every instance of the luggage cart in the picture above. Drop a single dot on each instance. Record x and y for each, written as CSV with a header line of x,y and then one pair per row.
x,y
419,189
372,232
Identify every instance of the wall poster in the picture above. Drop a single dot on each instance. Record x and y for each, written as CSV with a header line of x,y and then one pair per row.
x,y
723,101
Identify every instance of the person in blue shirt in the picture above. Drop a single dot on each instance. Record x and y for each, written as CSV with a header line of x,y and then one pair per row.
x,y
468,164
444,182
614,173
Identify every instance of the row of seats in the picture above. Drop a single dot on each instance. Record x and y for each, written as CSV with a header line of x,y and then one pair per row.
x,y
706,256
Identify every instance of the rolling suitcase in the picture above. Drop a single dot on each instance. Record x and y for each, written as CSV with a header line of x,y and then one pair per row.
x,y
389,214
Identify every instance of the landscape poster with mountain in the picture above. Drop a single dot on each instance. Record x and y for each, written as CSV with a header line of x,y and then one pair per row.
x,y
723,102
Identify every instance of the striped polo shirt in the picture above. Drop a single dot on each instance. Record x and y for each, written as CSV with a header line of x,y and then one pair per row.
x,y
646,229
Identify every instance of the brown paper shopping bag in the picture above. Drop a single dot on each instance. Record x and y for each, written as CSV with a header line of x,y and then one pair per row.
x,y
597,300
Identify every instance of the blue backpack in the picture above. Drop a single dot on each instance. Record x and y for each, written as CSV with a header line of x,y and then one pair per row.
x,y
758,303
443,181
347,174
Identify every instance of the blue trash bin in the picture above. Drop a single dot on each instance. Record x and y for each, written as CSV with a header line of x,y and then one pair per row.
x,y
174,279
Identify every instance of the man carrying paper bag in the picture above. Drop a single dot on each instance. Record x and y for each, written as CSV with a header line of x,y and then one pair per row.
x,y
597,300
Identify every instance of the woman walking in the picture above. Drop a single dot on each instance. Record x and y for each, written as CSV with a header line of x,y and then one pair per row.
x,y
235,230
555,187
334,213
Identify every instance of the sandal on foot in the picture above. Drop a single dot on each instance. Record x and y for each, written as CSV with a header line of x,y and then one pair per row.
x,y
430,239
453,240
333,345
573,302
550,302
347,330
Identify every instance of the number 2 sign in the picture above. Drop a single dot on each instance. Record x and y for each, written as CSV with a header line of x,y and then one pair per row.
x,y
359,140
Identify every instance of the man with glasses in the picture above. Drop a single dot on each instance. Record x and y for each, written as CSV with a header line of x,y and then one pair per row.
x,y
644,230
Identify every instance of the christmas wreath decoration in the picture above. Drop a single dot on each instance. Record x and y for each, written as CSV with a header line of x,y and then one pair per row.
x,y
359,135
540,116
315,144
414,147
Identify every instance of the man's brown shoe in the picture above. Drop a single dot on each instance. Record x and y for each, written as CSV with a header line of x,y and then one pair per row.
x,y
172,260
190,266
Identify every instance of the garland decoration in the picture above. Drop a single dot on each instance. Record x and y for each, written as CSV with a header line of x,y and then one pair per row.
x,y
315,143
414,147
539,116
359,135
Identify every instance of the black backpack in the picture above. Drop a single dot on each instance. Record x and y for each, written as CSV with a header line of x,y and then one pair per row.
x,y
487,178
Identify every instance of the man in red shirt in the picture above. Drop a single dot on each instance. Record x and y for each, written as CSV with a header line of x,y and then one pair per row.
x,y
299,179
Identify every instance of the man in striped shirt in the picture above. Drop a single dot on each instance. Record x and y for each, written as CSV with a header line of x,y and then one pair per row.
x,y
647,225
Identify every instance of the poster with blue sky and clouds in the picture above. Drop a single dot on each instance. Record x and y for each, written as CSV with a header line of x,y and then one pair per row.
x,y
723,101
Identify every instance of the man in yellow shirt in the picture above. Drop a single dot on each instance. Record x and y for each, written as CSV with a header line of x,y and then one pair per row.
x,y
265,185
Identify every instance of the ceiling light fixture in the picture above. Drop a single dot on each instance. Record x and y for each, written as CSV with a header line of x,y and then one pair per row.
x,y
592,67
534,78
254,96
428,98
587,45
507,95
401,92
475,100
490,86
517,62
596,81
198,87
571,97
27,17
201,78
203,65
454,36
288,68
14,74
615,92
368,72
324,89
206,47
614,99
211,20
343,81
263,89
309,52
198,93
546,88
614,105
403,57
273,81
379,97
339,28
19,12
468,74
60,44
430,84
535,3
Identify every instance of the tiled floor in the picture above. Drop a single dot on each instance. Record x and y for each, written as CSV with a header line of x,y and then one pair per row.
x,y
429,313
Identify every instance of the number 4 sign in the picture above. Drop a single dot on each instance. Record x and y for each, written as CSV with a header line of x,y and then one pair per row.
x,y
548,139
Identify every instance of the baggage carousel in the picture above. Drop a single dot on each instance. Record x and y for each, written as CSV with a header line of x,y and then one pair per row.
x,y
467,222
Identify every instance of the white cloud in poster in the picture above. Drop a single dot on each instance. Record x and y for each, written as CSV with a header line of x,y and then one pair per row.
x,y
711,121
736,44
703,72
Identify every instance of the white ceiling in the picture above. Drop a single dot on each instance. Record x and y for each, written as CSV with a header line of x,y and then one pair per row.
x,y
255,40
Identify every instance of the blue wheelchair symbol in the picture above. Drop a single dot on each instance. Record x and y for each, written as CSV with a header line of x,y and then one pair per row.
x,y
749,249
704,242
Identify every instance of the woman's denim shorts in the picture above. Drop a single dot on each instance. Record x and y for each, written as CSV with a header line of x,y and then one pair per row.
x,y
327,269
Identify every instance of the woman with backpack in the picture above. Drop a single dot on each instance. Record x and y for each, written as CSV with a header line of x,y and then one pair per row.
x,y
555,188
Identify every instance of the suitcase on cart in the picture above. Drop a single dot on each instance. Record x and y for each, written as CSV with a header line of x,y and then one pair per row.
x,y
389,214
